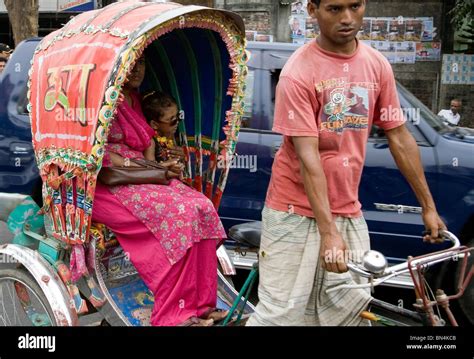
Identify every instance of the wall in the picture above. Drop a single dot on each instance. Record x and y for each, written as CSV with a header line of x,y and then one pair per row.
x,y
422,78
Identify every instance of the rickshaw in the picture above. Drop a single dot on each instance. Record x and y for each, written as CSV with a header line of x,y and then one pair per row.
x,y
196,54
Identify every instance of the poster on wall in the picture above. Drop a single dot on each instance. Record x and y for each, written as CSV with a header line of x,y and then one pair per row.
x,y
386,48
405,52
458,70
298,8
364,33
428,51
414,29
429,31
396,29
402,40
379,30
298,26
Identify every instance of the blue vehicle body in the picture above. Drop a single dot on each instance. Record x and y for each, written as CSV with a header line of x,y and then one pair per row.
x,y
18,171
389,205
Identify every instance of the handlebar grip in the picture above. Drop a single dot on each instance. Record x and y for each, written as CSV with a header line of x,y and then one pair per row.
x,y
447,235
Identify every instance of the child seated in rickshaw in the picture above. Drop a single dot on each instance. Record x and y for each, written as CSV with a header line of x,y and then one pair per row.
x,y
169,231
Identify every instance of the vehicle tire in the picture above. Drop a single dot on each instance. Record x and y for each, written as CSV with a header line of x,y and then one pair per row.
x,y
40,312
466,302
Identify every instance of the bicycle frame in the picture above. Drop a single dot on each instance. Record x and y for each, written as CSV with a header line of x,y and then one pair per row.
x,y
416,267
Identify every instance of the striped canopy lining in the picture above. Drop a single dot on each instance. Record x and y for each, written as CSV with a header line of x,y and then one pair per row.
x,y
194,70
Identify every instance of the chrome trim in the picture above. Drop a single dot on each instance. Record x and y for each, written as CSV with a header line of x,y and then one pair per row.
x,y
48,280
241,261
401,208
225,261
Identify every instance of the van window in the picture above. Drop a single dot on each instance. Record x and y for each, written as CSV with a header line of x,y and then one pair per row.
x,y
23,102
378,133
248,100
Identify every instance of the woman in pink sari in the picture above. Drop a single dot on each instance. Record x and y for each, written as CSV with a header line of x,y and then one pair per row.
x,y
170,232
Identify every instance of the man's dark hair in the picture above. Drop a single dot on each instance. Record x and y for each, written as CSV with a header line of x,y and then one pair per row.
x,y
3,59
316,2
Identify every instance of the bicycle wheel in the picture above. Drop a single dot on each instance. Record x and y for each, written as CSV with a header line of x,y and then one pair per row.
x,y
22,302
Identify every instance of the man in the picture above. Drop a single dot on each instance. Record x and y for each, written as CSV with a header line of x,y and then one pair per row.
x,y
5,50
3,63
452,115
329,94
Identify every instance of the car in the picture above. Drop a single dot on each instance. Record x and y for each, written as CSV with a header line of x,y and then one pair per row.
x,y
388,203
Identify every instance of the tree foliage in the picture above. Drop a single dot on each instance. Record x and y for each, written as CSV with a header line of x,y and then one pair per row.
x,y
462,12
463,21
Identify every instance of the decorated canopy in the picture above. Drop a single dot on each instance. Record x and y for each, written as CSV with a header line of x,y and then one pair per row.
x,y
195,53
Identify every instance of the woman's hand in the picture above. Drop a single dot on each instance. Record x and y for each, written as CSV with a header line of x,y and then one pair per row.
x,y
175,169
176,153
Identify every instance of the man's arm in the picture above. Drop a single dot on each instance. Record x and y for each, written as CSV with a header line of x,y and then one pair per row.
x,y
332,248
407,157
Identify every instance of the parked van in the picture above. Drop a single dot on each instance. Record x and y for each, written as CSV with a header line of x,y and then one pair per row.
x,y
388,203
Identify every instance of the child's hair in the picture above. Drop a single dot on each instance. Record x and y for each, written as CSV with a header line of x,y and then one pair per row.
x,y
154,102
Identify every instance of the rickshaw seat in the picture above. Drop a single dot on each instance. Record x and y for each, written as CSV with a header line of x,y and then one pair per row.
x,y
248,233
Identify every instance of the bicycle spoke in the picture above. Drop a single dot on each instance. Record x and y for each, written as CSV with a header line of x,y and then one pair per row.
x,y
20,305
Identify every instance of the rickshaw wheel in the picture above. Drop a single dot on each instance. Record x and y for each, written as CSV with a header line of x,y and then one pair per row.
x,y
23,301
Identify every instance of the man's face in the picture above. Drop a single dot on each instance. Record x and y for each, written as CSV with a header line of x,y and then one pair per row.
x,y
339,20
2,65
455,106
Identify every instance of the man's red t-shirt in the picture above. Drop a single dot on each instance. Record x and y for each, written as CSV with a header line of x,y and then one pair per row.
x,y
336,98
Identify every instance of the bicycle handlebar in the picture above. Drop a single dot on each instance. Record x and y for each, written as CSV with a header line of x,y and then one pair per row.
x,y
385,273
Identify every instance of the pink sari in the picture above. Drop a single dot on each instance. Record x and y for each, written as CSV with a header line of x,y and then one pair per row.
x,y
170,232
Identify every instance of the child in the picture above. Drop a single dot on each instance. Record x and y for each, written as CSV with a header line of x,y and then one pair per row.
x,y
161,112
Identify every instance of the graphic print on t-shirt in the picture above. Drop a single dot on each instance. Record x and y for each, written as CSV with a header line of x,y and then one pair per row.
x,y
346,107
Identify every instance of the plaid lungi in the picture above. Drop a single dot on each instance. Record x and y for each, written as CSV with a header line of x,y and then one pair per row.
x,y
292,282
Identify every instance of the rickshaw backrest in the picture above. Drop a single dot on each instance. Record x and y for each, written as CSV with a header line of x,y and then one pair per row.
x,y
194,53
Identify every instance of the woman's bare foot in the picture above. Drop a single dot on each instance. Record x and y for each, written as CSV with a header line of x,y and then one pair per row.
x,y
197,322
218,315
204,323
